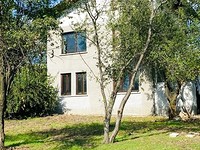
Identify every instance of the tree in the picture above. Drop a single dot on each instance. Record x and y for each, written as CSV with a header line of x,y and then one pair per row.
x,y
31,93
24,27
21,35
131,33
176,49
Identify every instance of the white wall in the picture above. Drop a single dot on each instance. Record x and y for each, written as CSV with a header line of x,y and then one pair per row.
x,y
187,99
161,102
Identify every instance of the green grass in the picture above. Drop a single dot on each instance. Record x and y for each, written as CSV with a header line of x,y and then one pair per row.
x,y
65,132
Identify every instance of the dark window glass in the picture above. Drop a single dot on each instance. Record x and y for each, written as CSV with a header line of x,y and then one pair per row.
x,y
81,83
125,82
81,44
66,84
70,43
74,42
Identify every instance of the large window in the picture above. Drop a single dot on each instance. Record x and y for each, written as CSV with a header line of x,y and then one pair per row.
x,y
125,82
66,84
81,83
74,42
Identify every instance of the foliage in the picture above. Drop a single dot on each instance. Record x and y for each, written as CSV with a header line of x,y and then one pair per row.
x,y
21,37
31,94
176,42
175,53
45,8
132,35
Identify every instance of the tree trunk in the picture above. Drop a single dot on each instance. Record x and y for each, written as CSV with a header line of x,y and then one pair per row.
x,y
2,105
117,125
172,112
172,106
122,105
106,129
2,136
108,114
172,97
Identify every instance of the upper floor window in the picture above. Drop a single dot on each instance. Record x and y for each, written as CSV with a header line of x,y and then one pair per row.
x,y
125,82
74,42
81,83
66,84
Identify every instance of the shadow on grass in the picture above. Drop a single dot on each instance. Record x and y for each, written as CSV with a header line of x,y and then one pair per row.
x,y
134,129
80,135
86,136
167,125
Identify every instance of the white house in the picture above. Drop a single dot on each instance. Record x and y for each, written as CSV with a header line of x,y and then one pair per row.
x,y
71,63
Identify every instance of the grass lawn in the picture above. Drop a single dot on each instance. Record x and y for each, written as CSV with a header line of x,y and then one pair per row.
x,y
62,132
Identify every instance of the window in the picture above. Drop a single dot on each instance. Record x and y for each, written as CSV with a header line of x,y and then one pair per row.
x,y
125,82
81,83
74,42
66,84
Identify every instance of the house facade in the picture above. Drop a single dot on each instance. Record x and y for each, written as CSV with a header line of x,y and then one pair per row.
x,y
71,62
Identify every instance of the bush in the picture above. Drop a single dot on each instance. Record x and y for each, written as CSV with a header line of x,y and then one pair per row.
x,y
31,94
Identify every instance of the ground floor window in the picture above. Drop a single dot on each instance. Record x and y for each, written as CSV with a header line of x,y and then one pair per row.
x,y
81,83
66,84
125,82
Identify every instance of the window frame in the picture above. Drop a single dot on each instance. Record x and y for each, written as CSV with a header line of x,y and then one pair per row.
x,y
68,85
76,39
84,87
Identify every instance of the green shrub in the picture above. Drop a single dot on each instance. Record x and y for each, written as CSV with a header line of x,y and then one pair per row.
x,y
31,94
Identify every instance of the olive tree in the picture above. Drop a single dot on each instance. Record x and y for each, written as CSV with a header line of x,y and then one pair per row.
x,y
127,27
176,52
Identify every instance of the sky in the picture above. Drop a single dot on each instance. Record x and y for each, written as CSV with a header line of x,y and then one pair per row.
x,y
55,2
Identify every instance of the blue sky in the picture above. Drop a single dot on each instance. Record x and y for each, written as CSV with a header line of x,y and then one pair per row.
x,y
55,2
